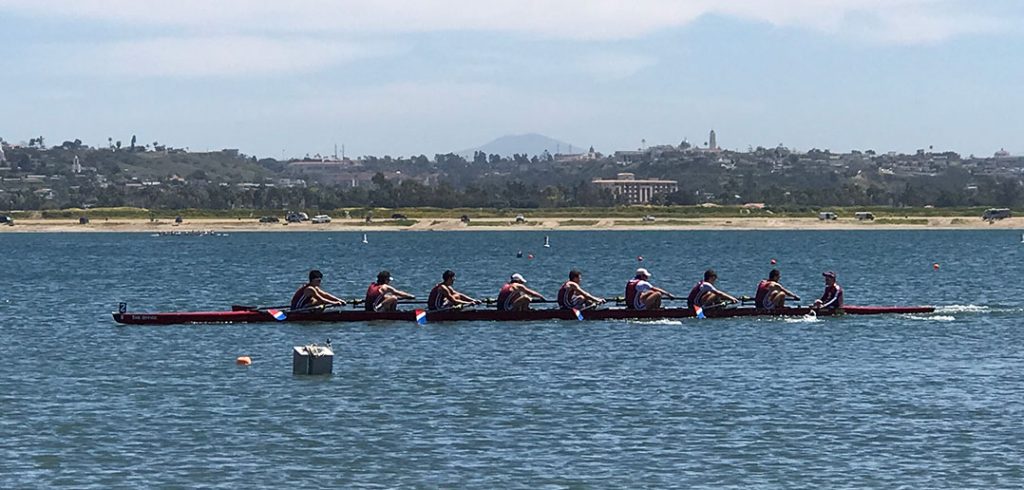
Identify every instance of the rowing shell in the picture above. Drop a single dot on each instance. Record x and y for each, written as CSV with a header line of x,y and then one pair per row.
x,y
489,315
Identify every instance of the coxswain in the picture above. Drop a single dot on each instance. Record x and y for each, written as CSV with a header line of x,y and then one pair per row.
x,y
382,296
310,295
515,296
706,295
832,298
443,296
770,293
572,296
642,295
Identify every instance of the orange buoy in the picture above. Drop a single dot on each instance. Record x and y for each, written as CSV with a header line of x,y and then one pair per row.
x,y
639,258
243,360
935,266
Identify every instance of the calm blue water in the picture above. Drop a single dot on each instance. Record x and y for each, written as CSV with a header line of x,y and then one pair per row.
x,y
914,401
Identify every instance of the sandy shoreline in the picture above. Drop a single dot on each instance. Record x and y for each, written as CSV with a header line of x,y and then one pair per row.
x,y
535,224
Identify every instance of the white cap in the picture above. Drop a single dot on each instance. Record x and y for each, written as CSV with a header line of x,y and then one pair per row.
x,y
643,272
518,278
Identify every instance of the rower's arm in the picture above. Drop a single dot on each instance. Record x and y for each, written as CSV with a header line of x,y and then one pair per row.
x,y
791,295
400,294
588,296
533,293
662,291
830,303
457,297
326,297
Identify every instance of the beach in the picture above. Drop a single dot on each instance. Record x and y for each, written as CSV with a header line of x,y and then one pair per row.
x,y
227,225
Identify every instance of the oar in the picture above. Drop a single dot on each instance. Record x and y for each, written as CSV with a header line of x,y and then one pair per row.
x,y
281,316
257,308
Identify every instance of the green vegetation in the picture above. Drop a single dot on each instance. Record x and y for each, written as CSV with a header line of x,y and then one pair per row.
x,y
229,184
503,223
660,222
573,216
387,222
901,221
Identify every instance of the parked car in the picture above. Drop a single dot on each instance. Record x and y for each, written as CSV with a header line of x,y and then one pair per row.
x,y
465,218
6,219
828,216
399,216
84,220
863,215
269,219
520,218
178,219
995,214
321,218
648,218
294,217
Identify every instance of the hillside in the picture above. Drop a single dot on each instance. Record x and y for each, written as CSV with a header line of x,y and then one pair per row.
x,y
530,144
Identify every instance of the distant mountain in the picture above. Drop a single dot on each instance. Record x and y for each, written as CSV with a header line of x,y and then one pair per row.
x,y
530,144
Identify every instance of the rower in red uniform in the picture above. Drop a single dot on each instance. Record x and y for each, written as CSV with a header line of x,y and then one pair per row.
x,y
515,296
642,295
310,295
571,295
832,298
706,295
770,293
382,296
443,296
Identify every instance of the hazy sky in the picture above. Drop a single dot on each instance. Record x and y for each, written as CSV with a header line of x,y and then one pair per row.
x,y
276,77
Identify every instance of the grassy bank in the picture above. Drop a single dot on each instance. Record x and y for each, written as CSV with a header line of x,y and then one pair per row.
x,y
581,215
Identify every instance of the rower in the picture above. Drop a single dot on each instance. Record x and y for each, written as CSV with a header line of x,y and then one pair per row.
x,y
706,295
642,295
832,298
310,295
382,296
572,296
515,296
770,293
443,296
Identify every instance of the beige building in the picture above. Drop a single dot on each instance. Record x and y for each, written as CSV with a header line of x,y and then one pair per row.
x,y
637,191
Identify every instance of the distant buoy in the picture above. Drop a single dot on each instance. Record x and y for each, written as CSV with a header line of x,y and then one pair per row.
x,y
639,258
547,242
530,256
519,254
364,238
773,262
935,266
243,360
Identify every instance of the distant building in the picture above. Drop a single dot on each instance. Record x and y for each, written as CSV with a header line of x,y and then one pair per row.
x,y
1002,153
76,166
3,157
637,191
712,141
578,157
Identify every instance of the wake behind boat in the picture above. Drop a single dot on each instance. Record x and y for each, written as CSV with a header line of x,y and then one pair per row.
x,y
245,315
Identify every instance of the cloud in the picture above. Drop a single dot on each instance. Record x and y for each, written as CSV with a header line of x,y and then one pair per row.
x,y
901,21
217,56
609,66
